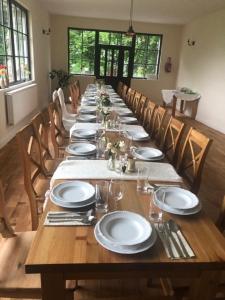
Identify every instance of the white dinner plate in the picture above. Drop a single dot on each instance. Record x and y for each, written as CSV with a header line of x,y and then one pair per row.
x,y
124,113
89,103
87,111
123,228
128,120
176,197
81,149
86,118
137,136
84,133
126,249
147,153
119,104
73,193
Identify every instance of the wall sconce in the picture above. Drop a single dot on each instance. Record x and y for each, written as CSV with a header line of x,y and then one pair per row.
x,y
46,31
190,42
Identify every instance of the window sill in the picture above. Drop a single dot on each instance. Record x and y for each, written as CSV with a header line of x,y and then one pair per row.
x,y
17,86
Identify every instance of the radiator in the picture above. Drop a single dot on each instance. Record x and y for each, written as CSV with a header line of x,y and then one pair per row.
x,y
20,103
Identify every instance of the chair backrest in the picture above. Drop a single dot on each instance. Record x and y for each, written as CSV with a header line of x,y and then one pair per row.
x,y
129,97
148,116
31,160
119,88
41,124
5,228
140,108
74,96
65,113
135,102
172,138
159,117
124,92
56,126
192,158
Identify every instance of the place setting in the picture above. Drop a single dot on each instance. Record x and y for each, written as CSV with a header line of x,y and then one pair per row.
x,y
148,153
177,201
128,120
86,118
81,149
83,134
88,110
136,135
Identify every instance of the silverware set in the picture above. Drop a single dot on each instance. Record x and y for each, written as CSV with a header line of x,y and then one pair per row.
x,y
66,217
174,242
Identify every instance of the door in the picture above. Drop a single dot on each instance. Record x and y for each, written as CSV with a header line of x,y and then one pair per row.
x,y
114,64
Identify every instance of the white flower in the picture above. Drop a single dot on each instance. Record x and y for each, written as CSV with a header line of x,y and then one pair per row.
x,y
109,146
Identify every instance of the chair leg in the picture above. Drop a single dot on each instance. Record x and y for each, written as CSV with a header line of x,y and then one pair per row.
x,y
167,286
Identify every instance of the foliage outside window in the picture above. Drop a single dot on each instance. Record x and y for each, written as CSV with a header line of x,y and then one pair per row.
x,y
146,58
81,51
83,54
14,41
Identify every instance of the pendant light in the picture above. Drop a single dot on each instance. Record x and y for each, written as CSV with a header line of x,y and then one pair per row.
x,y
130,31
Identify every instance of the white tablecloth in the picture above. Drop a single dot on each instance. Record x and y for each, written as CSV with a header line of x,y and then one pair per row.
x,y
97,169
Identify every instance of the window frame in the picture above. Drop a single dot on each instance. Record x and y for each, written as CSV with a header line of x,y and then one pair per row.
x,y
133,44
12,30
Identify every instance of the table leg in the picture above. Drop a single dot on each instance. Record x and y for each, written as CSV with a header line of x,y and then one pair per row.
x,y
194,109
53,286
182,106
174,106
204,288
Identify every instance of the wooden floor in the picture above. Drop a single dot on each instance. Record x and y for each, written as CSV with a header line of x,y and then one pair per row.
x,y
211,191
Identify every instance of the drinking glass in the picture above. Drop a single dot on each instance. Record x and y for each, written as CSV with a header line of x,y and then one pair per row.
x,y
142,179
102,197
116,190
155,213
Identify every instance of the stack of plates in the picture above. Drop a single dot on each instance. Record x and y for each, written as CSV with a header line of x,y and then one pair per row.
x,y
81,149
177,201
86,118
137,136
128,120
84,133
87,110
147,153
73,194
125,232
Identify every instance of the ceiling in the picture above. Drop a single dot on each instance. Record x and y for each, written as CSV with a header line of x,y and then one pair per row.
x,y
157,11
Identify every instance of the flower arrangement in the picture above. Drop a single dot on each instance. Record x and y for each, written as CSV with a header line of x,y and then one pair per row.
x,y
113,148
104,99
4,82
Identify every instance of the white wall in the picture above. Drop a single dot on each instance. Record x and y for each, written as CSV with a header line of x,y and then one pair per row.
x,y
170,47
40,45
202,67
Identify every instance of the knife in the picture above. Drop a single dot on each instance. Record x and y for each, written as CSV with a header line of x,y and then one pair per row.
x,y
173,241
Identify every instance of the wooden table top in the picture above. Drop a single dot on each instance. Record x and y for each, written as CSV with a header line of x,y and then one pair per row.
x,y
74,249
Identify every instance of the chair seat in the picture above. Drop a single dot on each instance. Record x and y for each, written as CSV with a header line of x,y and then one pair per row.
x,y
51,165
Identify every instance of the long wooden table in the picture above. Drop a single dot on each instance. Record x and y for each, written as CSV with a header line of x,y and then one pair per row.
x,y
60,253
72,252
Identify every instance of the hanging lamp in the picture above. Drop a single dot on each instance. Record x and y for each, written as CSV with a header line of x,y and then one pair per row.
x,y
130,31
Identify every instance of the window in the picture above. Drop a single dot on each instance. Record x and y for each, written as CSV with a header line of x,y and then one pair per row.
x,y
14,41
147,54
101,53
81,51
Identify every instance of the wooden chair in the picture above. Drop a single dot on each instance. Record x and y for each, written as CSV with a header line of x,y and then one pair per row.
x,y
140,109
148,116
135,102
74,97
172,138
158,128
192,158
119,88
35,181
41,124
220,223
129,97
14,247
124,91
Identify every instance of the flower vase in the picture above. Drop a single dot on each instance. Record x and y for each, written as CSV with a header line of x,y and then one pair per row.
x,y
111,164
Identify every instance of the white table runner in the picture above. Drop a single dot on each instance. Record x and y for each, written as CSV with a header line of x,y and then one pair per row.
x,y
97,169
96,126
